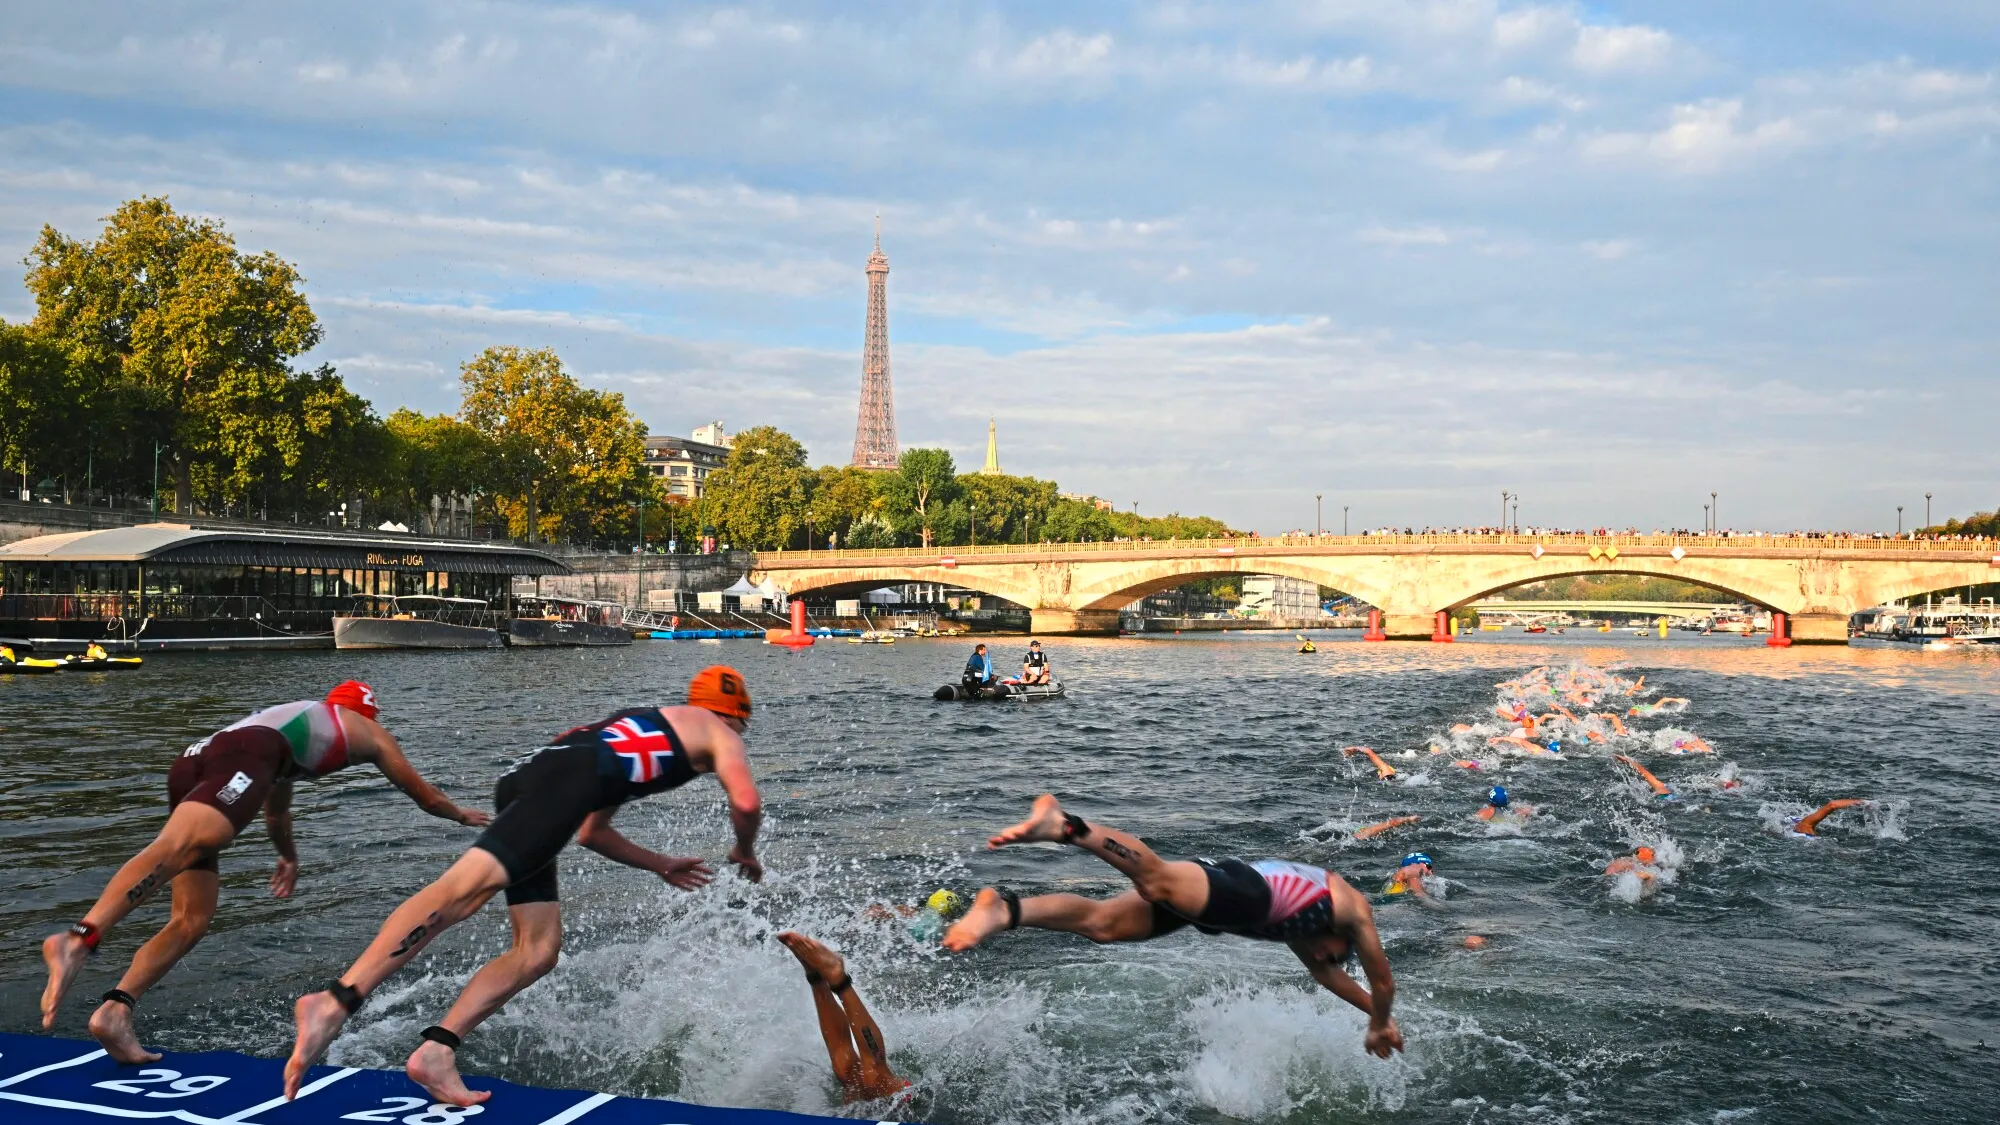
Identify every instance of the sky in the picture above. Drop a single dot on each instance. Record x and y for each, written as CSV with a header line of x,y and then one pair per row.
x,y
1209,258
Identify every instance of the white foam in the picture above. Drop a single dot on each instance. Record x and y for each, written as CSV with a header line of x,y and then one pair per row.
x,y
1263,1052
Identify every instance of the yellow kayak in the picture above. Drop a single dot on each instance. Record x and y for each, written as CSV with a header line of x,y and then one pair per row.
x,y
30,666
107,664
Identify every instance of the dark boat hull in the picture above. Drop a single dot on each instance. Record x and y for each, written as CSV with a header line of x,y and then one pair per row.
x,y
534,632
405,632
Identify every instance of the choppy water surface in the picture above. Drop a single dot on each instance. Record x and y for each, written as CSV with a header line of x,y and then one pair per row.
x,y
1774,978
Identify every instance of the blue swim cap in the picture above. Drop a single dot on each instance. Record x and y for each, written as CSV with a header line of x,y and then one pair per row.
x,y
1497,796
1555,747
1415,858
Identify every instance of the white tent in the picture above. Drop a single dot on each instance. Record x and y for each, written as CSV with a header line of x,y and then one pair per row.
x,y
771,593
743,590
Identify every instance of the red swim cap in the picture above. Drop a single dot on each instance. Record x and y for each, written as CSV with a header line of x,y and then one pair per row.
x,y
355,696
720,689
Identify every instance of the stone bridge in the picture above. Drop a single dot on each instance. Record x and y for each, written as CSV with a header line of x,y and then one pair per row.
x,y
1080,587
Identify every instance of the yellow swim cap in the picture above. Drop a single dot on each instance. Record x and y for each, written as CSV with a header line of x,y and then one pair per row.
x,y
945,902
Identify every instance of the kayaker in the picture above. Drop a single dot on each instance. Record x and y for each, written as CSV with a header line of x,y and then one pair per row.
x,y
566,791
214,790
95,651
1035,665
979,671
1314,912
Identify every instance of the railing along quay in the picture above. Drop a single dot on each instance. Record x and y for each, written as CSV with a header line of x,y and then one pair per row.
x,y
1349,544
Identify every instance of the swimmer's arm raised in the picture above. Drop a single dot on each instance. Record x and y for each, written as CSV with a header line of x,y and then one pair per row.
x,y
1806,824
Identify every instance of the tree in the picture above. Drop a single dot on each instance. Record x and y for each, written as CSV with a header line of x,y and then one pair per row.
x,y
1008,508
843,497
1077,521
181,325
563,456
921,493
42,409
758,498
435,456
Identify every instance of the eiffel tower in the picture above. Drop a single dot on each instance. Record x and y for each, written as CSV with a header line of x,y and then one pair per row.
x,y
875,430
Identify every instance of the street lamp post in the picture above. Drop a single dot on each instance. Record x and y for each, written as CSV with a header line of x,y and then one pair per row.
x,y
1319,523
1714,515
1517,516
1927,510
1704,519
1343,519
1899,521
1504,495
975,519
156,478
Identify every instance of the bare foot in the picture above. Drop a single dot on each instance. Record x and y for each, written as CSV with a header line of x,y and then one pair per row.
x,y
63,953
434,1066
987,917
111,1026
319,1018
815,956
1044,825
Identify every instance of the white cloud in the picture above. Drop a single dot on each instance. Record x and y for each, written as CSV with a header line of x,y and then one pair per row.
x,y
1405,236
1700,137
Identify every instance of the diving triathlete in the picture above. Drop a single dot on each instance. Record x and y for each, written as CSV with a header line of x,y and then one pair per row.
x,y
1806,825
215,788
564,791
1640,863
1324,921
853,1041
1410,875
1035,665
979,671
1500,806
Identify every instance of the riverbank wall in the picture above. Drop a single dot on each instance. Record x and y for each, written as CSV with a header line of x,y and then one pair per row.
x,y
628,579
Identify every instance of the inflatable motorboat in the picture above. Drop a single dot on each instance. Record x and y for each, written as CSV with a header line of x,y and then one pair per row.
x,y
1024,693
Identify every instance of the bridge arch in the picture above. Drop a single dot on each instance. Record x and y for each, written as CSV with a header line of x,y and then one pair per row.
x,y
862,579
1118,590
1636,569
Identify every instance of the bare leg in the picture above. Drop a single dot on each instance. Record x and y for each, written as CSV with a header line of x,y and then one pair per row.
x,y
1178,883
192,832
456,895
537,944
194,907
845,1023
1128,917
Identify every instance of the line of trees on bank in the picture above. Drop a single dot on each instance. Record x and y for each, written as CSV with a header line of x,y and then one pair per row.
x,y
160,367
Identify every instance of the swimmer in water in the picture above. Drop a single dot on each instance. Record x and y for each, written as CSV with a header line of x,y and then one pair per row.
x,y
1659,787
1383,770
1640,863
1499,806
854,1043
1376,829
1410,875
1314,912
1809,823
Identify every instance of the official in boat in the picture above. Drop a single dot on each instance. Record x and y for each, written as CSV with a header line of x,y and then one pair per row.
x,y
1035,665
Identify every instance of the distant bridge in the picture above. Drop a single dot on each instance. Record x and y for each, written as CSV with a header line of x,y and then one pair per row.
x,y
1080,587
1538,610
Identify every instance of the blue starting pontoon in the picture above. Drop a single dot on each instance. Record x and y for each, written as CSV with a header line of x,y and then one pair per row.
x,y
65,1082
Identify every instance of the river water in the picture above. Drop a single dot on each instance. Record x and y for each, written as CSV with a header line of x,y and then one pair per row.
x,y
1770,978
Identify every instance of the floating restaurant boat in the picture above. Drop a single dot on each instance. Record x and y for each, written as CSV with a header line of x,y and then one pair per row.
x,y
567,622
175,585
418,621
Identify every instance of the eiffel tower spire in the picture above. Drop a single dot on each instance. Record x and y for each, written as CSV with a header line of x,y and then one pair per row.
x,y
875,429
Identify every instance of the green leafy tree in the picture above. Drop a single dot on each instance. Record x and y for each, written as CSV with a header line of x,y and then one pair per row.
x,y
435,455
44,408
565,458
183,328
1009,509
921,494
1077,521
843,496
759,497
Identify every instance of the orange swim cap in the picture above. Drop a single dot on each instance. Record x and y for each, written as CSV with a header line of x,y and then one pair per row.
x,y
720,689
355,696
1644,855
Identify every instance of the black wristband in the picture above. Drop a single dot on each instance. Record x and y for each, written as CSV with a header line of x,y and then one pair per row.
x,y
1074,827
120,996
442,1035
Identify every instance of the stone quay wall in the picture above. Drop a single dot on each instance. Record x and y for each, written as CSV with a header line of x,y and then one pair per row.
x,y
626,579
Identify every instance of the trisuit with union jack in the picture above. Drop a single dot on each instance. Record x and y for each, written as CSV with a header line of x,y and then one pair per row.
x,y
566,790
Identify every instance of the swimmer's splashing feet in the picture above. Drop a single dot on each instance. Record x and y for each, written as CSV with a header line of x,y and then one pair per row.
x,y
319,1016
111,1026
992,911
63,953
1046,824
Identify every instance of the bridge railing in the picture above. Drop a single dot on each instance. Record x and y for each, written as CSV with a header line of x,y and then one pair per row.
x,y
1801,541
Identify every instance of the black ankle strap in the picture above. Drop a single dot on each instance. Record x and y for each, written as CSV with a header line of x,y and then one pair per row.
x,y
349,996
1013,902
443,1035
120,996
